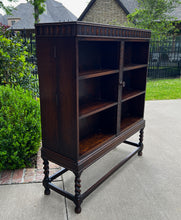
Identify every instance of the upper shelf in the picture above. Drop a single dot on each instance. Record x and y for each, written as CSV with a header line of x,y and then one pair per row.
x,y
96,73
134,66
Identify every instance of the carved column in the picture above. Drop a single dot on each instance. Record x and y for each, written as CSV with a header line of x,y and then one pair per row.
x,y
78,199
46,177
140,153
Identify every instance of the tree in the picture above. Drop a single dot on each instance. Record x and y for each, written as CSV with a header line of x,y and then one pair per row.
x,y
38,5
156,16
7,9
39,8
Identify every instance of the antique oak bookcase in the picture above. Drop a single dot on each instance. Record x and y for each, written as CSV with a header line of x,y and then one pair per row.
x,y
92,92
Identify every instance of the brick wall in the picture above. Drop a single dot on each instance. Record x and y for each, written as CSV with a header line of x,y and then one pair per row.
x,y
106,12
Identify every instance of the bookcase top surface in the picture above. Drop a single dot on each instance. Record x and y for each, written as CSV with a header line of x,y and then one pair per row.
x,y
84,29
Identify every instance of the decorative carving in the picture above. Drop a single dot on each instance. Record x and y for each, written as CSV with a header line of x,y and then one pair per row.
x,y
85,29
140,153
78,199
46,177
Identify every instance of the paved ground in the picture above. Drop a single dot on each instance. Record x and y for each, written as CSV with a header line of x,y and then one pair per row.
x,y
146,188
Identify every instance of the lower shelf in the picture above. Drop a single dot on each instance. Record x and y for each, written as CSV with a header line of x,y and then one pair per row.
x,y
93,141
129,121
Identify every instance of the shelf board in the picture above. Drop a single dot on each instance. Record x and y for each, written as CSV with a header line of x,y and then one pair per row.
x,y
134,66
96,73
93,141
129,121
92,107
130,93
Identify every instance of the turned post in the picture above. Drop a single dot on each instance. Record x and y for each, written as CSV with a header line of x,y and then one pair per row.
x,y
140,153
78,198
46,177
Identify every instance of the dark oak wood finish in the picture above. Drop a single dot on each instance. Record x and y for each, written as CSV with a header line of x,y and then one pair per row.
x,y
96,73
92,93
94,106
130,93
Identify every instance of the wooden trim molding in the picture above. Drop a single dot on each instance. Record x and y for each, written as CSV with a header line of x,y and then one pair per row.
x,y
84,29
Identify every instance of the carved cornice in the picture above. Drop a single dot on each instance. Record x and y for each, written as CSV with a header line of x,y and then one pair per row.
x,y
82,29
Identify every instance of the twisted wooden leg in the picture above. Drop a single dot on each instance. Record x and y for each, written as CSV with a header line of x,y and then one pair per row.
x,y
140,153
78,199
46,178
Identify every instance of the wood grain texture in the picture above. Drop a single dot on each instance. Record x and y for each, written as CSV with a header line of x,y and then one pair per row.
x,y
130,93
78,28
48,91
93,141
94,106
96,73
129,121
134,66
92,94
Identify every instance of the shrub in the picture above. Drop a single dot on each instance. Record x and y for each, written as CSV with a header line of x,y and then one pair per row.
x,y
14,66
3,28
19,127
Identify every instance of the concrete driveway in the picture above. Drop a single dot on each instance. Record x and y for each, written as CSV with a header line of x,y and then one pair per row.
x,y
145,188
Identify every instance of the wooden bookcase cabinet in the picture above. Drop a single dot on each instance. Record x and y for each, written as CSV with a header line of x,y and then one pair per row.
x,y
92,93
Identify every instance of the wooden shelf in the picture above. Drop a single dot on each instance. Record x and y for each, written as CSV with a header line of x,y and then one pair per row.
x,y
94,106
130,93
134,66
129,121
93,141
96,73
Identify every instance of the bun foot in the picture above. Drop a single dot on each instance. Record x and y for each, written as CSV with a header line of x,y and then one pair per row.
x,y
140,153
77,209
47,192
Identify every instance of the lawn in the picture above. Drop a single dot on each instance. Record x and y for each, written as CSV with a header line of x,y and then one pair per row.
x,y
163,89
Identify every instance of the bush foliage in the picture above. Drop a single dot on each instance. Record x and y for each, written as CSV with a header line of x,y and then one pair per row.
x,y
14,66
19,127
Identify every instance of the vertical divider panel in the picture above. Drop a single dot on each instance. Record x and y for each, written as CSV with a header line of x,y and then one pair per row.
x,y
121,61
77,91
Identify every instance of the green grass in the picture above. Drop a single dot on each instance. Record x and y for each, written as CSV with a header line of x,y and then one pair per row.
x,y
163,89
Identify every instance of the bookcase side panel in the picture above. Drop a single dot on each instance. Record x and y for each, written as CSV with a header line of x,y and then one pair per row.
x,y
57,77
47,84
67,97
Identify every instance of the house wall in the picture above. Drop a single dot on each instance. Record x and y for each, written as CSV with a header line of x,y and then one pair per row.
x,y
106,12
12,21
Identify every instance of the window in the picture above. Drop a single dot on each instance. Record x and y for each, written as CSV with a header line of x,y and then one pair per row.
x,y
13,22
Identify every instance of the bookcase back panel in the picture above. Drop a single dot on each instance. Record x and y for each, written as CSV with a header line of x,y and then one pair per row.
x,y
136,53
132,111
135,79
97,55
101,122
97,129
99,88
133,107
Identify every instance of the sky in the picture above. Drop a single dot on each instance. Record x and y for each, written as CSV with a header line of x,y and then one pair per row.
x,y
75,6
